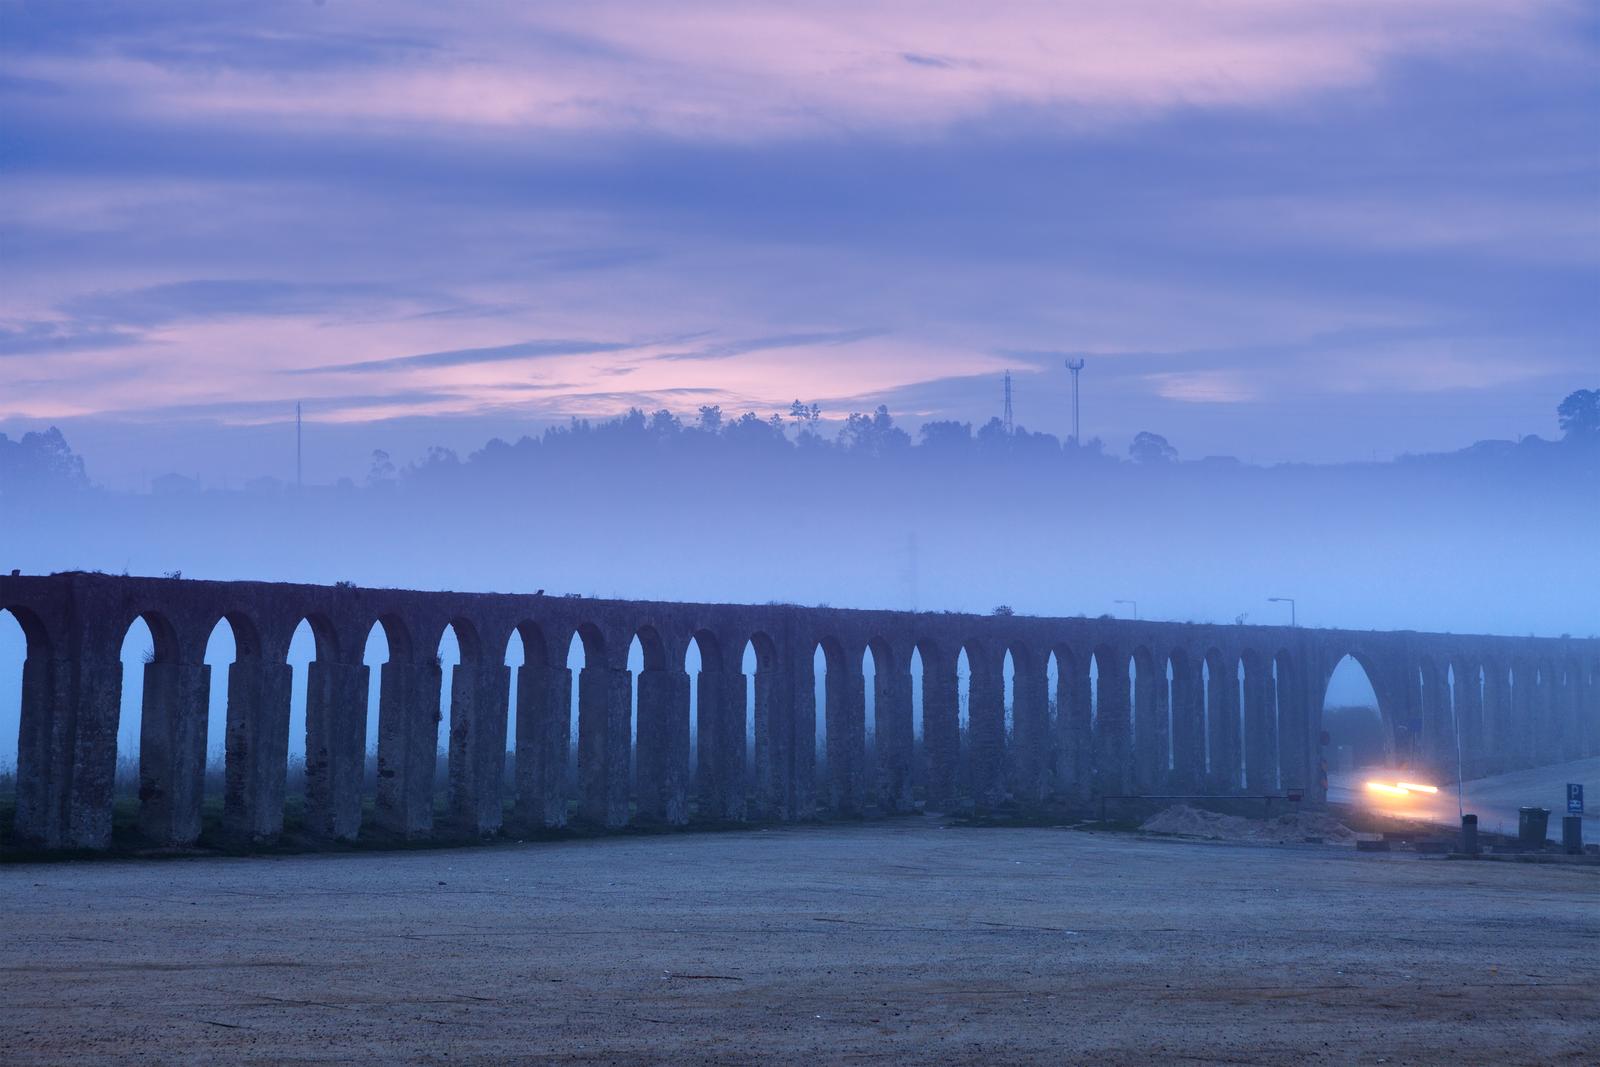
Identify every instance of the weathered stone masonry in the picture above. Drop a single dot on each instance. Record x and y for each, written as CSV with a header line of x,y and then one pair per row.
x,y
1242,711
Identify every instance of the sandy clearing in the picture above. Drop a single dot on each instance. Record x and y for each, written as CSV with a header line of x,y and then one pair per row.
x,y
878,942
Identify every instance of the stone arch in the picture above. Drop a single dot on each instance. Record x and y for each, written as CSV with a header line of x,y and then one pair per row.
x,y
652,647
36,635
1356,738
535,649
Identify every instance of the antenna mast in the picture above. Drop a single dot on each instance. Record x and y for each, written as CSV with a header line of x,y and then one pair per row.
x,y
1075,365
1009,427
298,481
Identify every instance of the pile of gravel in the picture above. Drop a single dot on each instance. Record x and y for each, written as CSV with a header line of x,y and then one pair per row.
x,y
1183,821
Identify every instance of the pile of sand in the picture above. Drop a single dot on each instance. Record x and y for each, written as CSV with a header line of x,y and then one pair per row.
x,y
1184,821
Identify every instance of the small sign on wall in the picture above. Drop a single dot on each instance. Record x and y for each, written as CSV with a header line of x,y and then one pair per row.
x,y
1574,798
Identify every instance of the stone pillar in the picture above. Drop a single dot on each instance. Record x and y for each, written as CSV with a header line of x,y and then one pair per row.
x,y
892,731
663,745
1438,728
1296,747
720,732
1589,708
1469,719
43,771
1074,730
605,696
1226,741
735,743
1260,740
97,703
1497,715
1112,748
711,755
478,698
408,746
1030,714
336,747
544,744
772,749
257,750
986,727
802,735
1188,728
1558,719
847,739
941,729
1524,701
1149,728
172,751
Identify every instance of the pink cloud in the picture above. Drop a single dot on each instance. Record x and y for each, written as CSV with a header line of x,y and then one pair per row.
x,y
705,68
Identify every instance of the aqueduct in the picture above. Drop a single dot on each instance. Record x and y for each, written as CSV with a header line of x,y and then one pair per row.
x,y
1043,709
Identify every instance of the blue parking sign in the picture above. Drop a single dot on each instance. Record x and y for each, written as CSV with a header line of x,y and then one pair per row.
x,y
1574,798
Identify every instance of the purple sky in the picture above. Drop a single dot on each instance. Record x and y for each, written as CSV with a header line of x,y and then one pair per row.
x,y
1280,229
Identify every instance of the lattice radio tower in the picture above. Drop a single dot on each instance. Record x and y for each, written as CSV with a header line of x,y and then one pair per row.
x,y
1009,428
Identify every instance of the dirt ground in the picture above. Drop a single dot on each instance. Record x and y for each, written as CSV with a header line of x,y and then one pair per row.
x,y
889,941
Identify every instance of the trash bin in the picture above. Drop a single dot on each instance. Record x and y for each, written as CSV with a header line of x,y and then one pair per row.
x,y
1469,834
1533,824
1572,834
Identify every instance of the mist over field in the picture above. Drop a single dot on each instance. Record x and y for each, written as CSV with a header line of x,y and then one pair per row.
x,y
1496,538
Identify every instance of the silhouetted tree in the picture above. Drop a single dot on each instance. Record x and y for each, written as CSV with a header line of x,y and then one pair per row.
x,y
947,436
40,461
1579,415
664,425
992,439
1150,447
874,434
382,471
711,417
806,419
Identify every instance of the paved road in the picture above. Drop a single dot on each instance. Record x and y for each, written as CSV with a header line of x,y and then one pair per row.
x,y
899,941
1495,799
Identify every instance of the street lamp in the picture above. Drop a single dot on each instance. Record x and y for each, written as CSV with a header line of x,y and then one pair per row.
x,y
1289,600
1132,603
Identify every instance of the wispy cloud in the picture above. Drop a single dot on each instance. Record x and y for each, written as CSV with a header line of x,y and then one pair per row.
x,y
541,349
44,338
729,349
723,69
223,298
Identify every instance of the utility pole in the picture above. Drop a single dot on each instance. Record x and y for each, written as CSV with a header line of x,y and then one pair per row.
x,y
1075,365
1289,600
911,567
298,479
1134,604
1009,428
